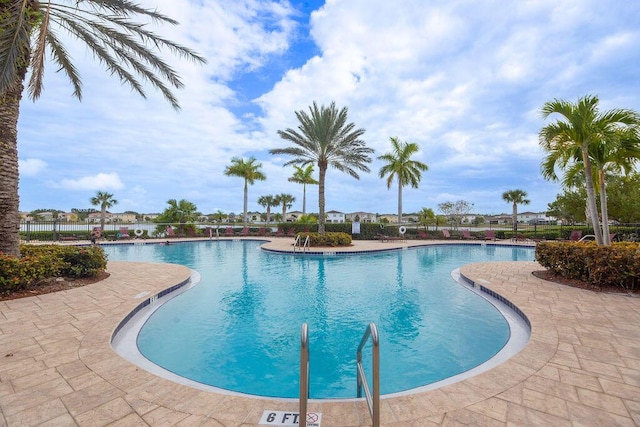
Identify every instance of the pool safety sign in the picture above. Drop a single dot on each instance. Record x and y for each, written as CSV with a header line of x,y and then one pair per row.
x,y
283,418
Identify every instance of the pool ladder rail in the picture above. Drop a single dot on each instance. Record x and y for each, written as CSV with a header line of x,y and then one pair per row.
x,y
373,399
304,247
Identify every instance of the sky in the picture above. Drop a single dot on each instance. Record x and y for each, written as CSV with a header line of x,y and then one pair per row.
x,y
463,79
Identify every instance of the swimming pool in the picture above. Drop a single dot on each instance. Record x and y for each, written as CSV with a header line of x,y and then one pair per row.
x,y
239,328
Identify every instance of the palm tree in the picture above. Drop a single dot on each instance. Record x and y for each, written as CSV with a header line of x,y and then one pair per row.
x,y
325,138
400,165
579,131
248,170
105,201
180,212
616,156
427,216
268,202
516,197
31,28
303,176
286,200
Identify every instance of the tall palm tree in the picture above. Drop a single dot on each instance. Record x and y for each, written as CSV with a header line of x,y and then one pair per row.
x,y
612,158
248,170
303,176
579,131
30,29
268,202
286,200
400,166
516,197
325,138
105,201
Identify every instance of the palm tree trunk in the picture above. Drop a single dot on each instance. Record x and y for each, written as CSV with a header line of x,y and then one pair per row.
x,y
399,202
268,214
9,174
304,199
514,218
103,212
604,209
244,209
9,170
591,195
321,176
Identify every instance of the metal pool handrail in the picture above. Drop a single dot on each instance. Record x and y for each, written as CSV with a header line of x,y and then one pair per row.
x,y
304,375
373,400
298,243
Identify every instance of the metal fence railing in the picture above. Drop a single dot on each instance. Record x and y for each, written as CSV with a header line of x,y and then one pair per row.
x,y
52,231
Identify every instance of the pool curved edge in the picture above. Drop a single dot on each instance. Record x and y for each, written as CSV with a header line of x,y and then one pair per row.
x,y
127,348
147,391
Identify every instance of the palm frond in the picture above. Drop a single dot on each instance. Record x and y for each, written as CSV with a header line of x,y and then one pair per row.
x,y
14,43
127,49
38,58
103,55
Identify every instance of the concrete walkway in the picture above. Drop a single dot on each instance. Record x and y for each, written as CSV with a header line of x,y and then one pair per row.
x,y
580,367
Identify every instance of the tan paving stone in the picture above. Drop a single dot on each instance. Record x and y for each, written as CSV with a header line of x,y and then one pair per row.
x,y
65,420
196,420
203,403
602,401
105,414
545,403
624,391
37,395
131,420
141,406
90,397
20,369
583,415
161,417
494,408
552,388
630,376
600,369
580,380
550,372
85,380
37,414
634,411
522,416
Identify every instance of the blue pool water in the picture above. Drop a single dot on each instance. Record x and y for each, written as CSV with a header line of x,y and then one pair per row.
x,y
239,328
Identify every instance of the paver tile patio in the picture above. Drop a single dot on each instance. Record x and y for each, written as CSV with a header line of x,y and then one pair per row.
x,y
580,367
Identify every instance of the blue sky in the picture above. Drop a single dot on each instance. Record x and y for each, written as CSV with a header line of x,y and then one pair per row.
x,y
463,79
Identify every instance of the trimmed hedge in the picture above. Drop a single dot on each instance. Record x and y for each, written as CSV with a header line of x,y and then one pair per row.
x,y
326,239
39,262
617,265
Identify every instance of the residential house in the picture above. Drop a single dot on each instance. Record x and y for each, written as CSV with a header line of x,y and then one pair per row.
x,y
335,217
293,216
390,218
123,217
535,218
365,217
95,217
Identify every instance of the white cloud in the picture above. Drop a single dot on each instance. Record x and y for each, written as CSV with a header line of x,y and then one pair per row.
x,y
31,167
98,182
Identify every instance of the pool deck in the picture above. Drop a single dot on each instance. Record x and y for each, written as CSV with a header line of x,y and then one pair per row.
x,y
580,367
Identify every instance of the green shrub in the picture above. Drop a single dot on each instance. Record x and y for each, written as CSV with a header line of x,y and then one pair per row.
x,y
327,239
617,265
39,262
